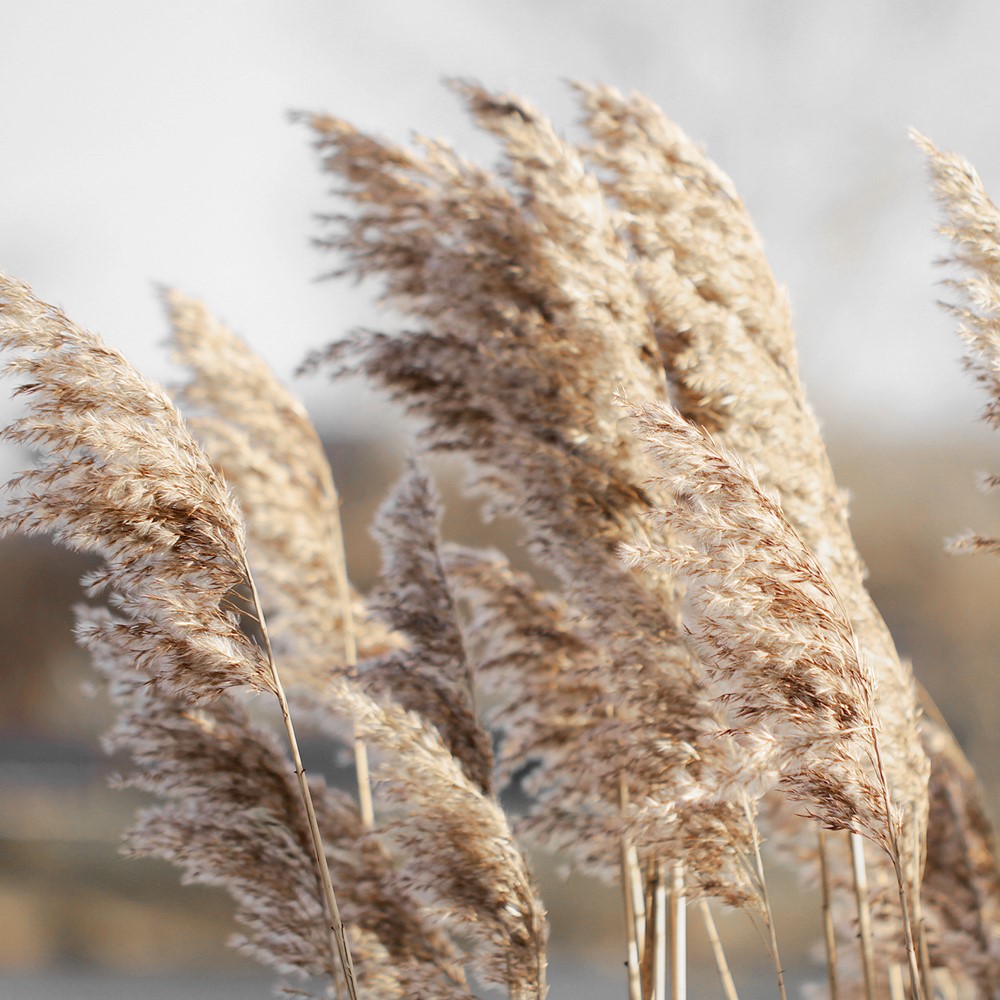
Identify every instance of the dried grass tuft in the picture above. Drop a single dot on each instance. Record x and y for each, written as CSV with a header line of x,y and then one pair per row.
x,y
707,655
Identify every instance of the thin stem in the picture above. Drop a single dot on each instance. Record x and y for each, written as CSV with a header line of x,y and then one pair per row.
x,y
660,933
678,934
923,949
946,985
647,969
728,986
765,900
916,985
916,981
864,913
631,943
366,805
897,990
638,898
829,934
335,923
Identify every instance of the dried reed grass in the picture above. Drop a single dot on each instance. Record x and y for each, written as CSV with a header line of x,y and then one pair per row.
x,y
709,663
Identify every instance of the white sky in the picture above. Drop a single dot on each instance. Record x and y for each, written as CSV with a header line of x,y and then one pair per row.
x,y
146,143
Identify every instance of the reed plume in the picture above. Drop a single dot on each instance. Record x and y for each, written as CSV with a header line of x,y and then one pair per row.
x,y
963,851
770,629
261,440
548,691
432,676
972,224
962,877
411,645
229,814
723,326
460,851
530,319
436,775
121,477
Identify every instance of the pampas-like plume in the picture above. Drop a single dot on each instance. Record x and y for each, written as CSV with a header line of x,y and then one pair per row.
x,y
961,879
724,329
230,815
460,852
969,873
772,632
121,477
770,629
264,444
432,676
973,226
531,318
549,693
726,342
697,251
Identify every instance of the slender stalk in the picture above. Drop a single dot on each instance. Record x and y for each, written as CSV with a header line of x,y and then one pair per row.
x,y
916,980
638,898
728,986
632,946
628,896
916,984
766,901
923,949
678,934
648,967
336,924
366,805
660,933
864,913
829,934
897,989
946,985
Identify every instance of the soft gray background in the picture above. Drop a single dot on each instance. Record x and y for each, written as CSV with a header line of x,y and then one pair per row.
x,y
148,143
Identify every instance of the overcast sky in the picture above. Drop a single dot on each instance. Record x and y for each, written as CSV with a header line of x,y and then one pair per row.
x,y
147,143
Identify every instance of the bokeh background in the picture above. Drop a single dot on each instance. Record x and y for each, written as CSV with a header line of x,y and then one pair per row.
x,y
144,144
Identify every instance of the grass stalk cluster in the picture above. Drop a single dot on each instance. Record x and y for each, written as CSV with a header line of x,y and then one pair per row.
x,y
701,685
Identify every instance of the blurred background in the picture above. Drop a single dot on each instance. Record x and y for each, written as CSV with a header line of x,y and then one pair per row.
x,y
146,144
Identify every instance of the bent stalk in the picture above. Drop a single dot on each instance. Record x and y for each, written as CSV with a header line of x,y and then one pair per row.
x,y
864,913
365,804
829,934
728,985
338,936
660,946
678,934
765,899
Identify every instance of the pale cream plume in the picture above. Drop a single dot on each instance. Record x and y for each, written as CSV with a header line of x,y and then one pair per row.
x,y
770,629
262,441
963,879
972,224
432,675
529,318
549,690
229,814
724,328
459,850
121,476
